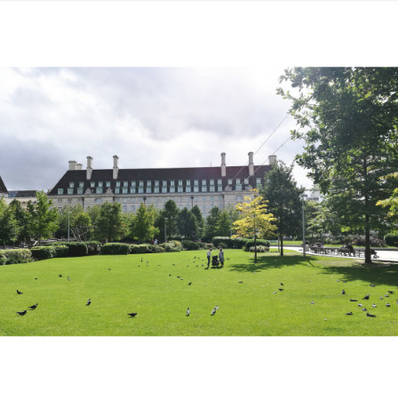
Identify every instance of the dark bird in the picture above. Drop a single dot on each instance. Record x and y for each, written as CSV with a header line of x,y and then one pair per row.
x,y
18,292
390,291
374,305
370,315
366,297
36,279
381,298
282,284
388,305
280,289
240,282
372,285
89,302
190,283
21,312
109,269
169,274
386,295
133,314
349,313
178,277
213,312
60,275
344,281
360,305
343,291
364,309
34,306
353,300
188,312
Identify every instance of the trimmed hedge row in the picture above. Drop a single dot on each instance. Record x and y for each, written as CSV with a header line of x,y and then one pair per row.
x,y
15,256
237,243
391,240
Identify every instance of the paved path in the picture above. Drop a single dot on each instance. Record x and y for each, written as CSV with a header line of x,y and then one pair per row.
x,y
384,255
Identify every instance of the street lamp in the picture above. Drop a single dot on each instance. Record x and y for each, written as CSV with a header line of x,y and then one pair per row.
x,y
165,238
303,196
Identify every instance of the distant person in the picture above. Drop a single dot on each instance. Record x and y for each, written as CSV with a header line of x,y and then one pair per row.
x,y
221,257
208,258
156,241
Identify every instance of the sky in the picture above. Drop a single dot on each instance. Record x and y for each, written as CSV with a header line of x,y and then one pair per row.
x,y
148,117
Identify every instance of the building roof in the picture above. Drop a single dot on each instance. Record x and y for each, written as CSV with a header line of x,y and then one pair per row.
x,y
3,188
78,177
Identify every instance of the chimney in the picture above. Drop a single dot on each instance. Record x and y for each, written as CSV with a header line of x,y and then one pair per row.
x,y
115,167
272,160
89,167
72,165
79,167
251,165
223,165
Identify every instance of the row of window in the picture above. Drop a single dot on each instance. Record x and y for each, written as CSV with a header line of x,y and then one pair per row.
x,y
165,183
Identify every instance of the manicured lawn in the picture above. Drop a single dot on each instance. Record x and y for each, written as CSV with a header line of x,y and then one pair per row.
x,y
141,284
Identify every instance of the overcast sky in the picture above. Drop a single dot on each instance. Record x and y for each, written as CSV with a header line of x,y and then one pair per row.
x,y
149,117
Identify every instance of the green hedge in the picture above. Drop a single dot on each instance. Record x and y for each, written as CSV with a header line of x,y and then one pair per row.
x,y
190,245
15,256
228,243
172,246
259,242
75,249
391,239
42,252
115,248
93,248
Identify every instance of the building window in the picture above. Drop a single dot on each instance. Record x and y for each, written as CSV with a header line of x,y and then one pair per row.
x,y
140,190
188,189
132,184
132,190
203,182
196,189
149,190
172,190
92,184
70,191
79,190
196,182
125,183
229,181
125,190
219,188
117,190
149,183
60,191
172,183
238,187
156,183
204,188
180,182
164,189
100,184
246,181
188,182
212,182
156,190
141,183
72,184
180,189
212,189
108,184
99,190
117,184
258,181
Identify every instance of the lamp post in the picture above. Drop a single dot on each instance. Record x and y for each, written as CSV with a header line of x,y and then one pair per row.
x,y
303,196
165,237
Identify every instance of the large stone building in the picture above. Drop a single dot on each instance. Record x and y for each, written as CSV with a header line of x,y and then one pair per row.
x,y
205,187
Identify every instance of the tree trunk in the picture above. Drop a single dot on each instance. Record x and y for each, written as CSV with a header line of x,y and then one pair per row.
x,y
368,256
281,240
255,248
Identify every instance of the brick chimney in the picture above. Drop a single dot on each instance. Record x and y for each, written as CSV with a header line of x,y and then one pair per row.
x,y
251,165
115,167
89,167
72,165
223,165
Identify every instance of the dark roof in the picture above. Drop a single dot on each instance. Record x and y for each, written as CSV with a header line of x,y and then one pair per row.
x,y
3,188
158,174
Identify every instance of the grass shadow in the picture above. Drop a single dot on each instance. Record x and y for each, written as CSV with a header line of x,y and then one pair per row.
x,y
272,261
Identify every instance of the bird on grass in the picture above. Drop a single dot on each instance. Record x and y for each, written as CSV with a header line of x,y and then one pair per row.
x,y
343,291
370,315
386,295
169,274
396,301
360,305
366,297
372,285
281,284
344,281
213,312
21,312
353,300
349,313
390,291
381,298
374,305
190,283
109,269
60,275
216,307
312,302
89,302
188,312
388,305
240,282
132,315
364,309
18,292
34,306
280,289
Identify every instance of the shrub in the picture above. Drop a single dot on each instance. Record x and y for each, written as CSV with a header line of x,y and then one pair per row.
x,y
15,256
42,252
155,248
93,248
260,249
228,243
172,246
190,245
391,239
259,242
115,248
139,248
60,251
77,249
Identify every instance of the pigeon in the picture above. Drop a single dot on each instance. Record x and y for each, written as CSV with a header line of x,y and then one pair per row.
x,y
366,297
216,307
240,282
360,305
280,289
188,312
21,312
390,291
18,292
344,281
169,274
275,293
364,309
190,283
386,295
312,302
281,284
34,306
372,285
370,315
374,305
388,305
381,298
89,302
349,313
60,275
353,300
178,277
133,314
213,312
343,291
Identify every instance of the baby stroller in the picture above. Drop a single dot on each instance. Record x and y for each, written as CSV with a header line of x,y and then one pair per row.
x,y
214,261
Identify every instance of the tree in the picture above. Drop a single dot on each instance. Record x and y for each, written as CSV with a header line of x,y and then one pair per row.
x,y
223,224
188,224
283,195
22,219
171,212
80,224
391,203
143,224
43,217
109,224
211,223
8,224
348,118
256,222
195,210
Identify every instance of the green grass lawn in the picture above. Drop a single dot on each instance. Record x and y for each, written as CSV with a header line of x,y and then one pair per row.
x,y
254,307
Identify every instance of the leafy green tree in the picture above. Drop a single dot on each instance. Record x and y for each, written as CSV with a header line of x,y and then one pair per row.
x,y
211,223
171,212
223,225
256,222
80,223
8,224
188,226
348,118
22,219
391,203
143,224
195,210
43,217
109,225
283,195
